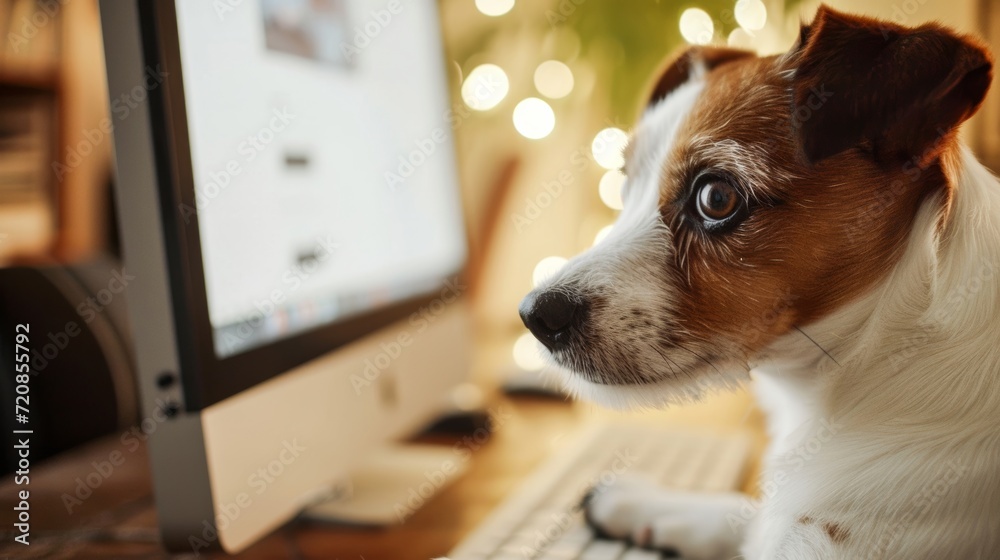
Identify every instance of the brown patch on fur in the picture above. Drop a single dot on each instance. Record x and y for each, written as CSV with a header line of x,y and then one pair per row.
x,y
680,68
836,533
898,88
810,243
822,229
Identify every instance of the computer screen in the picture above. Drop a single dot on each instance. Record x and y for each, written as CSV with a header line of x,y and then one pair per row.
x,y
321,153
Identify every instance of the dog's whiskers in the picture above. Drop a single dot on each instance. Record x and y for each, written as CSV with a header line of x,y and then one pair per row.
x,y
699,356
672,363
828,355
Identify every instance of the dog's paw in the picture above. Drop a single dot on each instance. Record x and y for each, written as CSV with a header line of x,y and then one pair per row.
x,y
693,525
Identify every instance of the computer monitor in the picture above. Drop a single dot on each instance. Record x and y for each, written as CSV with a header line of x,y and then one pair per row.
x,y
290,211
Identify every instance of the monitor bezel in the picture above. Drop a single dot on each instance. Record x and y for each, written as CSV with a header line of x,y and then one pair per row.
x,y
207,378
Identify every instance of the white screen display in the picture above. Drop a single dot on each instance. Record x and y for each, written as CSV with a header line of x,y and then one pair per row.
x,y
301,114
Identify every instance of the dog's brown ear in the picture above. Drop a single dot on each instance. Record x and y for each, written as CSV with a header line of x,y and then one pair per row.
x,y
682,68
900,88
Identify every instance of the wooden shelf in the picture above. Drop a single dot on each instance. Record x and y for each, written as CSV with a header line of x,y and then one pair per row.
x,y
64,60
29,76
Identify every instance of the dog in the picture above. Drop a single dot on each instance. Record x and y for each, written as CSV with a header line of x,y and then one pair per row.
x,y
810,225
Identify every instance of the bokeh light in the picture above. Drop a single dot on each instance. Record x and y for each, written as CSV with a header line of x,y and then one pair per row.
x,y
546,268
533,118
604,231
740,38
607,148
553,79
610,189
485,87
527,353
696,26
494,8
751,14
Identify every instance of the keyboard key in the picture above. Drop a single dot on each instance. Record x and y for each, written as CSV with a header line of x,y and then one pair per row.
x,y
525,546
603,550
502,555
570,544
640,554
545,525
565,550
579,532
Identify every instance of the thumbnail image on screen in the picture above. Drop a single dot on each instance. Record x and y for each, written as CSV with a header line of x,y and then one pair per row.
x,y
315,29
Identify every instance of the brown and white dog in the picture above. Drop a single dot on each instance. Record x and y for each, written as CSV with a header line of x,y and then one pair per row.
x,y
810,222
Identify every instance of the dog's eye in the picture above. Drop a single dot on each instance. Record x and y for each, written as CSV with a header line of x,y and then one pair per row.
x,y
717,200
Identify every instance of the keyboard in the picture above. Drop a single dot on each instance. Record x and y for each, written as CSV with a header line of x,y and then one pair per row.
x,y
543,519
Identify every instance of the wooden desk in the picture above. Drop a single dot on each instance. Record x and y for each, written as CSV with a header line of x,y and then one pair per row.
x,y
118,519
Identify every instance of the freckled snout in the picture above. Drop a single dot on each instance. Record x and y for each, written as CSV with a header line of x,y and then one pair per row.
x,y
552,316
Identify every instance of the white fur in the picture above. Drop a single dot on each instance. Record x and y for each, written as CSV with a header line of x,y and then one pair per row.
x,y
914,468
649,515
896,443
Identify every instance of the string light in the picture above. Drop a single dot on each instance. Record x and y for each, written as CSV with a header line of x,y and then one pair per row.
x,y
604,231
533,118
607,148
485,87
750,14
696,26
546,268
610,189
527,354
739,38
494,8
553,79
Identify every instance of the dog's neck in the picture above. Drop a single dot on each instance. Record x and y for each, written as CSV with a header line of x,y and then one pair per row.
x,y
924,341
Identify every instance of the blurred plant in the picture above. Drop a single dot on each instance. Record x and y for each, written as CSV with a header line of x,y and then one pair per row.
x,y
628,41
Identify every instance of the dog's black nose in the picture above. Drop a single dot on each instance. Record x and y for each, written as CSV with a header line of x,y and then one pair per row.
x,y
549,316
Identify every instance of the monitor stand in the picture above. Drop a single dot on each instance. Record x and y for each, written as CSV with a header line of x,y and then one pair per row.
x,y
391,485
400,478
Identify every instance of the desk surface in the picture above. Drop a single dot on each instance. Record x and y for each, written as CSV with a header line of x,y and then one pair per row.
x,y
118,520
